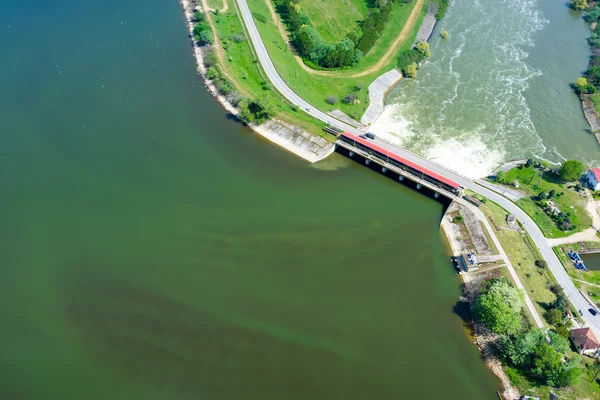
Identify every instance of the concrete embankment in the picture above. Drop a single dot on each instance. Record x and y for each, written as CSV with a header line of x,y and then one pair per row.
x,y
379,89
292,138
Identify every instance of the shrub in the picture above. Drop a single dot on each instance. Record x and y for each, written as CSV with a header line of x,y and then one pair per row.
x,y
541,264
349,98
212,73
331,99
259,17
411,70
444,34
458,219
423,48
578,4
199,16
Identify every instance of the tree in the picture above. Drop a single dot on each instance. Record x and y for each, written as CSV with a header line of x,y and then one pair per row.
x,y
499,308
444,34
349,98
204,38
331,99
199,16
500,177
571,170
552,194
578,4
554,316
423,48
581,83
411,70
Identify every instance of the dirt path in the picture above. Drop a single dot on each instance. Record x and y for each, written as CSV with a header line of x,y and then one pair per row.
x,y
387,57
587,283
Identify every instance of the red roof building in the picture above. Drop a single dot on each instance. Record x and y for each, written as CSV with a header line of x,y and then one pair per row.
x,y
585,341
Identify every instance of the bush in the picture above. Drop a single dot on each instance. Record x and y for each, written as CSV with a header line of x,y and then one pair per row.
x,y
331,100
212,73
408,57
458,219
411,70
444,34
199,16
578,4
541,264
259,17
349,98
423,48
203,33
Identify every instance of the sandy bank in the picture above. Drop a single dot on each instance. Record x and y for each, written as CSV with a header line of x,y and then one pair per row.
x,y
292,138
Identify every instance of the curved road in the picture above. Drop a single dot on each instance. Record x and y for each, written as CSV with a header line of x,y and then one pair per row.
x,y
536,234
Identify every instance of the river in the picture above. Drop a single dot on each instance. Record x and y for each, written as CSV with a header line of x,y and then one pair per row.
x,y
153,248
497,89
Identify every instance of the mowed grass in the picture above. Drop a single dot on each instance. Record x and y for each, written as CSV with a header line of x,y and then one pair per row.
x,y
334,19
240,64
532,183
522,255
215,4
314,88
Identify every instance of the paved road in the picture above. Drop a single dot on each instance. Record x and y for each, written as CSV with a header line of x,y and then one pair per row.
x,y
536,234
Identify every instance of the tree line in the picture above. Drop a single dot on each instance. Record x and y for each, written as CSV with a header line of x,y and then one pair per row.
x,y
311,46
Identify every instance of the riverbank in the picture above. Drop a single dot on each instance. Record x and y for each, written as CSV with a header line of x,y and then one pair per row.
x,y
290,137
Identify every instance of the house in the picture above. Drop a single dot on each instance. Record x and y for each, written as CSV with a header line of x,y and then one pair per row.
x,y
585,341
593,178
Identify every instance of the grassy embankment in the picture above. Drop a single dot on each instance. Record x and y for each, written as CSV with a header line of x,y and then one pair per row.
x,y
537,282
314,88
533,181
246,73
522,254
215,4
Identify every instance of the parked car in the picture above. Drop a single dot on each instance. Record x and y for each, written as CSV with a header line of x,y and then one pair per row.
x,y
370,135
581,313
593,312
362,135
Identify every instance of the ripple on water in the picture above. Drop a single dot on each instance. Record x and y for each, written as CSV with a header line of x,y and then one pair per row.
x,y
466,110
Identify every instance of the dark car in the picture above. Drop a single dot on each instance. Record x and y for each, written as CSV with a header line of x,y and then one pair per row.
x,y
370,135
592,311
362,135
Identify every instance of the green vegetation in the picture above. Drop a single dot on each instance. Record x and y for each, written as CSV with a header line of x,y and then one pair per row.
x,y
571,170
310,44
408,60
239,77
444,34
203,33
525,258
499,307
441,5
335,19
578,4
557,208
316,88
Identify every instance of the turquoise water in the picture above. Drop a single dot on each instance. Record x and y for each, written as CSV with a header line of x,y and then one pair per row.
x,y
153,248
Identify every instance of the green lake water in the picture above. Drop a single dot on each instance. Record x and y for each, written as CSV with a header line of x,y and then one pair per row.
x,y
153,248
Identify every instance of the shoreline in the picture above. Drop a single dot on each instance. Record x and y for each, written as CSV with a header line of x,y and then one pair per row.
x,y
300,142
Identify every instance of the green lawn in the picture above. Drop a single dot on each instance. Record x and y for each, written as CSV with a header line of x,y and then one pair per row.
x,y
587,276
334,19
249,77
215,4
595,98
314,88
532,183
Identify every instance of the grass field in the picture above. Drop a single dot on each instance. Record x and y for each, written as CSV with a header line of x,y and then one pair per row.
x,y
334,19
314,88
248,76
532,183
592,277
215,4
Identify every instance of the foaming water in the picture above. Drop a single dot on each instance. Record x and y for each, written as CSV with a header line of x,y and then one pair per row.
x,y
470,107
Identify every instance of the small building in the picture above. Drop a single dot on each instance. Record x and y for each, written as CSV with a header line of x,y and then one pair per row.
x,y
593,178
511,219
585,341
198,8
